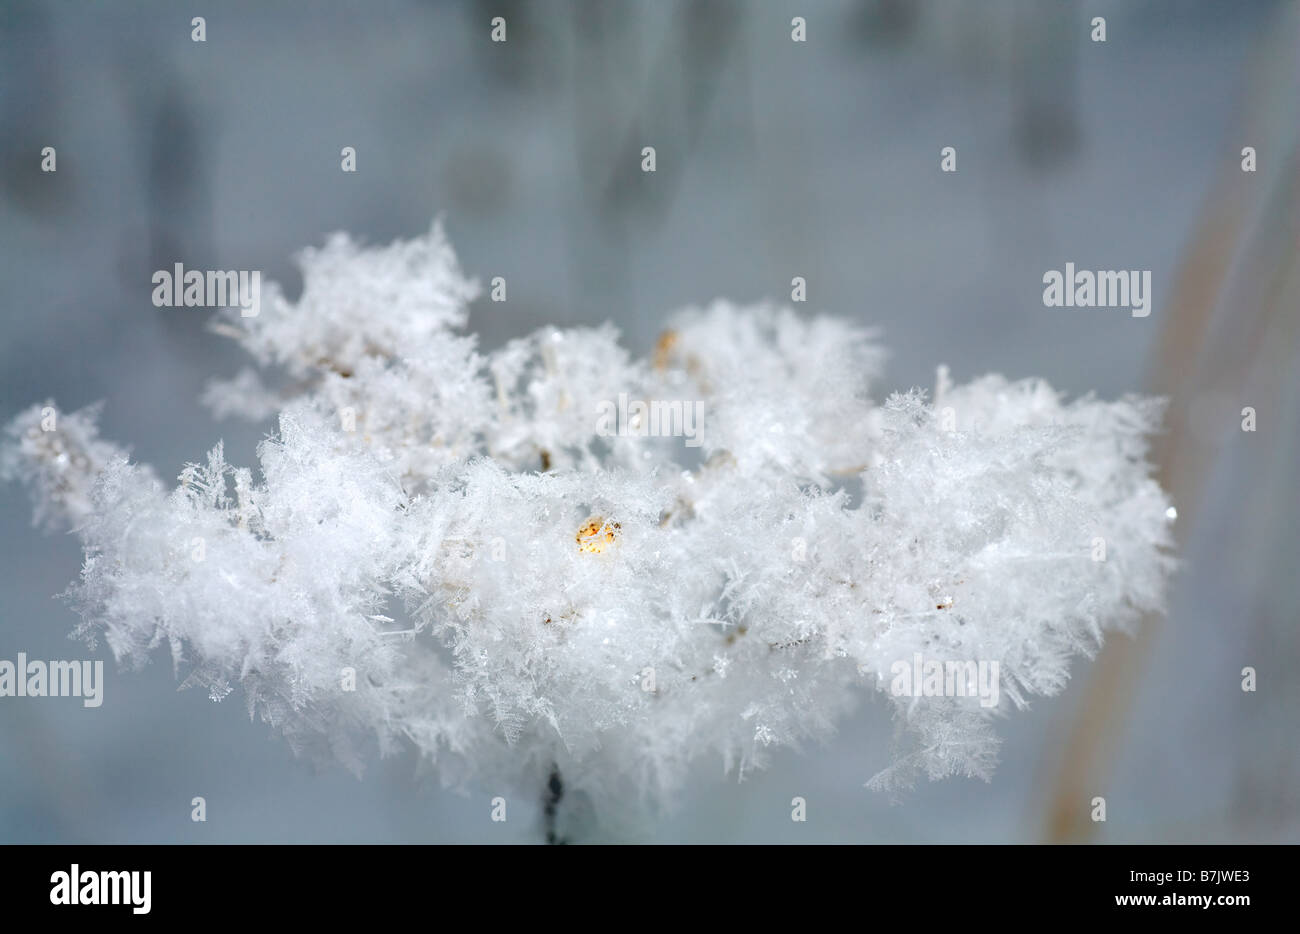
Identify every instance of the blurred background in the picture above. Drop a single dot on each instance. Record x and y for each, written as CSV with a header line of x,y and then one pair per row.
x,y
775,159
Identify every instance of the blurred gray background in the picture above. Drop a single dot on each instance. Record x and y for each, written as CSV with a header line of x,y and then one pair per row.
x,y
775,159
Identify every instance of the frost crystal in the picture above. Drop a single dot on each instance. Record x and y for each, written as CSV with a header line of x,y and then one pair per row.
x,y
448,548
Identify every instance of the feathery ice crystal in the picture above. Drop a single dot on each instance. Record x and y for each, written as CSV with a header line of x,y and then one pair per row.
x,y
516,591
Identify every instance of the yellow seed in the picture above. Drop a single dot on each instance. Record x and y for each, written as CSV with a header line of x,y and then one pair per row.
x,y
664,349
596,534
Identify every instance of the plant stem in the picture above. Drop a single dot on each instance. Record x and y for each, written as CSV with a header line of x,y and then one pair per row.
x,y
551,806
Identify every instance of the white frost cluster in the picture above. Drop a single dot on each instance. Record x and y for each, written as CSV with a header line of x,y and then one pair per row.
x,y
514,589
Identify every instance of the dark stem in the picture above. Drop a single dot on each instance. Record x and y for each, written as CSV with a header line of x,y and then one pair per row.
x,y
551,806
